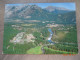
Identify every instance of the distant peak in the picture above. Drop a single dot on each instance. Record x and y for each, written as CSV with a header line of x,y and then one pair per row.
x,y
52,8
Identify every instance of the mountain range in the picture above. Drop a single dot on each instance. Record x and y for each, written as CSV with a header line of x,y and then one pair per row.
x,y
34,12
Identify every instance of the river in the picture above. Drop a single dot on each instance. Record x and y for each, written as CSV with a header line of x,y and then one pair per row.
x,y
50,36
49,40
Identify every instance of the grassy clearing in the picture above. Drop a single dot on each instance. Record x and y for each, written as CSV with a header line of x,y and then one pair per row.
x,y
36,50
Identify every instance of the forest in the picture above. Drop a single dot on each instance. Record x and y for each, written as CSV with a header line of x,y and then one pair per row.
x,y
65,40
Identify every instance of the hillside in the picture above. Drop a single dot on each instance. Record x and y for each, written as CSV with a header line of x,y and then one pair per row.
x,y
34,12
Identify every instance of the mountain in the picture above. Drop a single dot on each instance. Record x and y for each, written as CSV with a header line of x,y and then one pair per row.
x,y
34,12
66,18
57,9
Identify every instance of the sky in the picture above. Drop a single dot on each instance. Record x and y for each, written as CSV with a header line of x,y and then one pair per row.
x,y
70,6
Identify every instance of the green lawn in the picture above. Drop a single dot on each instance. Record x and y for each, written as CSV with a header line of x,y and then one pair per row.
x,y
36,50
